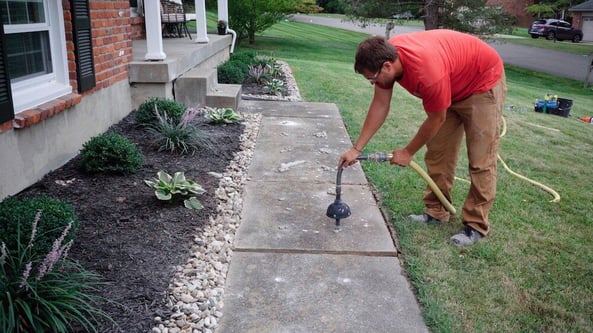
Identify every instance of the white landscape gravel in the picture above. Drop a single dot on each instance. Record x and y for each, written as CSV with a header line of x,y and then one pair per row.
x,y
195,294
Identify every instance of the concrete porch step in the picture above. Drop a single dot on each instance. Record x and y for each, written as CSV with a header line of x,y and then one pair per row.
x,y
224,96
184,57
200,87
192,87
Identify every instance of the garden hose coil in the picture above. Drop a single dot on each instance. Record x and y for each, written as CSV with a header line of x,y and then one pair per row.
x,y
381,157
533,182
506,167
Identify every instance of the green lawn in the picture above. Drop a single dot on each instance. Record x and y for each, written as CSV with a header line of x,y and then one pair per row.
x,y
535,272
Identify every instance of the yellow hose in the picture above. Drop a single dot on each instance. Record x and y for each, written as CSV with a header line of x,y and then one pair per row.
x,y
442,197
506,167
433,187
533,182
446,202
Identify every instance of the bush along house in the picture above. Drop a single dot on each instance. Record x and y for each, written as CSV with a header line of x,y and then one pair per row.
x,y
69,69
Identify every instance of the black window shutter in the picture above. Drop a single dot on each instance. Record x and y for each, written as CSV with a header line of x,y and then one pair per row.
x,y
83,44
6,107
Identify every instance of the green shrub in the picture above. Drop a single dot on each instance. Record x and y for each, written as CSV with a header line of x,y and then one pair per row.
x,y
146,116
245,57
45,292
233,72
305,7
16,216
110,153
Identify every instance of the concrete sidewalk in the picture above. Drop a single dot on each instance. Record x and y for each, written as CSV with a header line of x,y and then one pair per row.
x,y
291,270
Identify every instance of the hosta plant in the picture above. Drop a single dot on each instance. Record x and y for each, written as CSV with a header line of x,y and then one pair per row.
x,y
275,87
167,188
222,115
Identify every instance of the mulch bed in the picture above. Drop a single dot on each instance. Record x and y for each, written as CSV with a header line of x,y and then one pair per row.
x,y
126,235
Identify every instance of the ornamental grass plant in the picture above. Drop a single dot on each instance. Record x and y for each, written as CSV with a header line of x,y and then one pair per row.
x,y
45,293
181,135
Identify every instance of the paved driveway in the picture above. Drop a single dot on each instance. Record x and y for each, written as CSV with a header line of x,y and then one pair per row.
x,y
562,64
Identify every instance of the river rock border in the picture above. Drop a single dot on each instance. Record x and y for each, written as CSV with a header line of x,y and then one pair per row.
x,y
195,293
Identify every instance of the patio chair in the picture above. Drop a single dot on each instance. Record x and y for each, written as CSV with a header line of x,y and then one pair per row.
x,y
174,19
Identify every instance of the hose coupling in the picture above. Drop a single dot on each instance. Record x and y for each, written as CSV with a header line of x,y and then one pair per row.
x,y
376,157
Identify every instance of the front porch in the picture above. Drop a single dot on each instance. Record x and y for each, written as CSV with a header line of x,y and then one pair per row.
x,y
187,74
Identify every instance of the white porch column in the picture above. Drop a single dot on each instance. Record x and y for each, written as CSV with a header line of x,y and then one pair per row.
x,y
201,33
154,36
223,11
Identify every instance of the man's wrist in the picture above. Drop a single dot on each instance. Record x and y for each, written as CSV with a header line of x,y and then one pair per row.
x,y
358,150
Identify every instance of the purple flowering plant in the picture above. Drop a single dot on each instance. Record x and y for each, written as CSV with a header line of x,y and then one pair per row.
x,y
45,293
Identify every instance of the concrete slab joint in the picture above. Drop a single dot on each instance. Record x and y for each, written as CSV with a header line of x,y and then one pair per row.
x,y
292,270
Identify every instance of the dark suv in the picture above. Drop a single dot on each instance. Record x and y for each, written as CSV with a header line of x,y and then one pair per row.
x,y
555,29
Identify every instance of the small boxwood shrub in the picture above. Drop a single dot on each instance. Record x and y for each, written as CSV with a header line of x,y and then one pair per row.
x,y
245,57
17,215
110,153
146,116
233,72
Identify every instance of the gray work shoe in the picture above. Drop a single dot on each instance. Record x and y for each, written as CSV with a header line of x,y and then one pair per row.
x,y
467,236
424,218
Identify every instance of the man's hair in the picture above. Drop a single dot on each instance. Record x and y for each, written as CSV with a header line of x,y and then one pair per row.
x,y
372,53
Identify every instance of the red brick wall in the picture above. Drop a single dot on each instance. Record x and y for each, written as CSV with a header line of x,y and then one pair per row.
x,y
137,30
576,20
112,50
517,9
112,42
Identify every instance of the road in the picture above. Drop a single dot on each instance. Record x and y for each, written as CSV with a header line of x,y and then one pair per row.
x,y
557,63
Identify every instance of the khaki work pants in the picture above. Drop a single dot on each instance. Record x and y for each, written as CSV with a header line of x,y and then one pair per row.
x,y
479,117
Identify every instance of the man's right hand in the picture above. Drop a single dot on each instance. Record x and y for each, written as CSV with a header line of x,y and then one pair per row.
x,y
348,158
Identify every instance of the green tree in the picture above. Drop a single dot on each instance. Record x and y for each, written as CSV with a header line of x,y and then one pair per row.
x,y
248,17
332,6
307,7
541,10
472,16
476,18
551,8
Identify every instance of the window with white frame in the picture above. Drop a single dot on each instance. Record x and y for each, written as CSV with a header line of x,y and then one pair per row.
x,y
36,51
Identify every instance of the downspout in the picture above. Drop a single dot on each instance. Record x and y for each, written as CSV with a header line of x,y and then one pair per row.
x,y
234,33
223,14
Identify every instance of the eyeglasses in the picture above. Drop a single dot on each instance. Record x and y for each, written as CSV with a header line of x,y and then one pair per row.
x,y
373,79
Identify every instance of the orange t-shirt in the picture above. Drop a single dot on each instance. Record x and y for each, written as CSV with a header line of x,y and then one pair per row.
x,y
445,66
